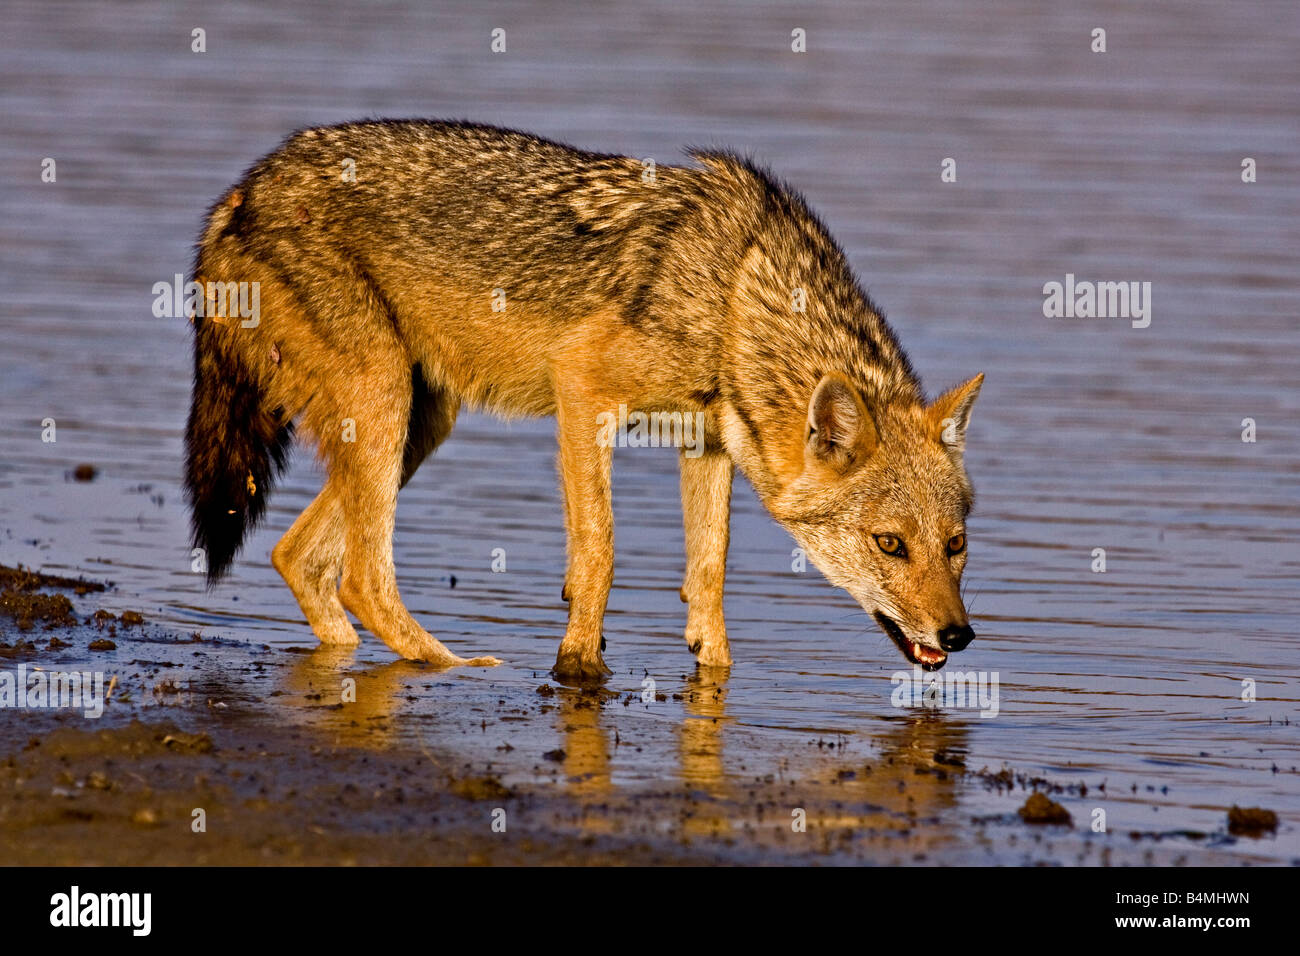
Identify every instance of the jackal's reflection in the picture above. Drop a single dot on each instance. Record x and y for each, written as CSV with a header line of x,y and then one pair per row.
x,y
699,741
585,740
908,776
328,677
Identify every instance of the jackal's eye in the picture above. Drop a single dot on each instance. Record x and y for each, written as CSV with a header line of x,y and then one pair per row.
x,y
891,545
957,543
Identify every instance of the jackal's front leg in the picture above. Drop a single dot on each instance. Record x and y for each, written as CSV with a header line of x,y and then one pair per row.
x,y
706,514
584,463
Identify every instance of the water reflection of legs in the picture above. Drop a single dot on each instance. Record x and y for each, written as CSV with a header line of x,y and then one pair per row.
x,y
326,678
700,746
586,748
700,740
915,780
586,744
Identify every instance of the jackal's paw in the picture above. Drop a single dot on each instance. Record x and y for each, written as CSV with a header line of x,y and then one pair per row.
x,y
713,655
337,634
709,645
429,649
579,666
448,659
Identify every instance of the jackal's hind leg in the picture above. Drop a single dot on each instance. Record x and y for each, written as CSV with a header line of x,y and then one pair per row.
x,y
706,514
310,558
369,468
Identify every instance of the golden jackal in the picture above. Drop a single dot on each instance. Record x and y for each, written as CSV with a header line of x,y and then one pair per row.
x,y
407,268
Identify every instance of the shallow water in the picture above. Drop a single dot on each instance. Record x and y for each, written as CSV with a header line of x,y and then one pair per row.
x,y
1089,433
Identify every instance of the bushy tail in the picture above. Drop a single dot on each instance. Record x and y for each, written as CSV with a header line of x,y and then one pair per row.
x,y
235,448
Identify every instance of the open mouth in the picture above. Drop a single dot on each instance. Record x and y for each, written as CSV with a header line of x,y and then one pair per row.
x,y
927,658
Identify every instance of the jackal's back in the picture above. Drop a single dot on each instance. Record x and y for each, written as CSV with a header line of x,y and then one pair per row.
x,y
466,206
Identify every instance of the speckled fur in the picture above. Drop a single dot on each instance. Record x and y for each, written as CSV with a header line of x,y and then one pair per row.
x,y
674,293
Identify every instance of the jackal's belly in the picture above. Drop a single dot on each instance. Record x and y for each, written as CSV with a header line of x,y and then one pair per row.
x,y
498,371
489,351
513,362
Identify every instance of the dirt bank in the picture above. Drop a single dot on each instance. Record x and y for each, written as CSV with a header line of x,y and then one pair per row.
x,y
213,751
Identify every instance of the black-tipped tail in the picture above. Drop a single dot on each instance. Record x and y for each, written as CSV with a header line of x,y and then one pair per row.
x,y
235,448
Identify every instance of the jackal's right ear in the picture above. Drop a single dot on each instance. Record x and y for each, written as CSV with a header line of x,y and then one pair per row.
x,y
950,414
840,430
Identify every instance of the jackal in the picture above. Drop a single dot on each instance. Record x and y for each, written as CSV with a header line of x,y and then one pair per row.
x,y
409,268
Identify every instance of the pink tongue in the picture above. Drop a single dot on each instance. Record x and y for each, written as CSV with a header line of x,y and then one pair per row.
x,y
926,654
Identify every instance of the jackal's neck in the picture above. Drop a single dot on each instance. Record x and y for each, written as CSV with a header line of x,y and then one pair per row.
x,y
799,312
798,315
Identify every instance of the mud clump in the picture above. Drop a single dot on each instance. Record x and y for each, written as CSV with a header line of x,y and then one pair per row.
x,y
135,740
187,743
21,579
21,598
54,610
145,817
481,788
1251,821
1041,809
102,644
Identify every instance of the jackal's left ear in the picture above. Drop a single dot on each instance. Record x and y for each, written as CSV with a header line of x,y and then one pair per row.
x,y
840,429
948,417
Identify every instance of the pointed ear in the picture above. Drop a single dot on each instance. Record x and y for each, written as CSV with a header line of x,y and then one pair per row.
x,y
948,417
840,431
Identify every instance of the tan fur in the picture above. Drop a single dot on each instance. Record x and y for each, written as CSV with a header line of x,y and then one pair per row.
x,y
672,296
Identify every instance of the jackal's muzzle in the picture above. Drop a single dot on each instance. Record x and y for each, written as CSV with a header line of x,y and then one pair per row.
x,y
951,640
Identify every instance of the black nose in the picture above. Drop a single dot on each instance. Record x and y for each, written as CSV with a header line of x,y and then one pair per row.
x,y
956,638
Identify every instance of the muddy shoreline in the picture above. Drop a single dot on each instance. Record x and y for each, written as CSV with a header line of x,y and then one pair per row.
x,y
215,751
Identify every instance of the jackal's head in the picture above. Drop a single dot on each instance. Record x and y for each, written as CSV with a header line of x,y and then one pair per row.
x,y
880,508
